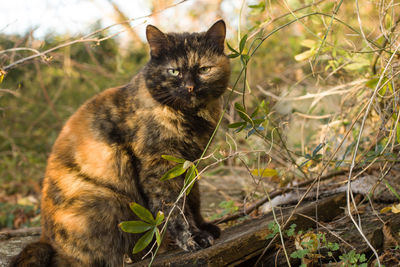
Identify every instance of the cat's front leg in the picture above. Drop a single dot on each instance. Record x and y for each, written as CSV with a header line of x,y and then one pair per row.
x,y
162,196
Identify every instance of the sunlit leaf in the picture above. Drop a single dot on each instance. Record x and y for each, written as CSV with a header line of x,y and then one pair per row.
x,y
158,237
143,242
386,209
358,64
187,164
190,175
398,133
267,172
142,212
2,74
308,43
159,218
135,227
396,208
172,158
174,172
372,83
305,55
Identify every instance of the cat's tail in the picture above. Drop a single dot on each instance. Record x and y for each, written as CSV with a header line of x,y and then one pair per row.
x,y
38,254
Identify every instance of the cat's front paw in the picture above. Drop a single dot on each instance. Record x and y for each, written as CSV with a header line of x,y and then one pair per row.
x,y
204,239
212,229
198,240
185,241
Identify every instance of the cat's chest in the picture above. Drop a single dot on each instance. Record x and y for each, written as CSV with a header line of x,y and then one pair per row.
x,y
192,125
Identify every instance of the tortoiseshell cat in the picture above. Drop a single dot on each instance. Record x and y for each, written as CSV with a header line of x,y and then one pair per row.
x,y
109,154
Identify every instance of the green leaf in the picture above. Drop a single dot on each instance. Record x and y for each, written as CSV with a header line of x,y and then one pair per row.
x,y
242,43
158,237
301,253
372,83
255,112
135,227
394,192
258,121
142,213
358,64
231,48
174,172
239,107
144,241
159,218
257,8
398,133
245,59
172,158
2,74
242,112
233,55
267,172
190,175
236,124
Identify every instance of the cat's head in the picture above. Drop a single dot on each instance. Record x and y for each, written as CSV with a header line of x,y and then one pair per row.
x,y
187,70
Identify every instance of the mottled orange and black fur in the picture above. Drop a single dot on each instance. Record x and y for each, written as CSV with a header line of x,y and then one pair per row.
x,y
109,154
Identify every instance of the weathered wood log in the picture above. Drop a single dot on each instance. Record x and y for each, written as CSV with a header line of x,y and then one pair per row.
x,y
243,244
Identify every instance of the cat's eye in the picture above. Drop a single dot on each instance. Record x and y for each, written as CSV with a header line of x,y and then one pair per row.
x,y
173,72
204,70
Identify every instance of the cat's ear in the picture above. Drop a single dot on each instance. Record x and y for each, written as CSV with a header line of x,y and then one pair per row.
x,y
157,40
217,34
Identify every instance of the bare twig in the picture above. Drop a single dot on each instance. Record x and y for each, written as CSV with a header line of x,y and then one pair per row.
x,y
86,38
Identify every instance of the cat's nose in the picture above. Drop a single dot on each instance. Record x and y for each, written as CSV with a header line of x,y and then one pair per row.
x,y
189,88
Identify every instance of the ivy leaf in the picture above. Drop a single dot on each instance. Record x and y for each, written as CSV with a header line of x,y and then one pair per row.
x,y
144,241
172,158
142,213
174,172
135,227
